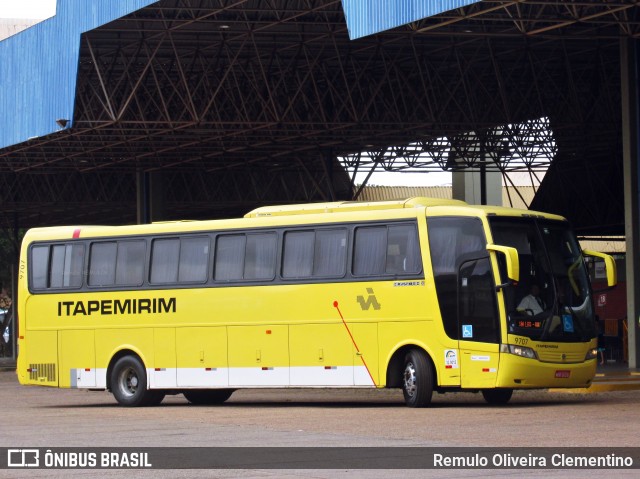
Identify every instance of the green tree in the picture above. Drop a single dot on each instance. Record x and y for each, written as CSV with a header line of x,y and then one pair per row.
x,y
9,256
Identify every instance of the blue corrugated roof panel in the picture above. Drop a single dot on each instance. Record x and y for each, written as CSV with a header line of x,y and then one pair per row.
x,y
39,67
366,17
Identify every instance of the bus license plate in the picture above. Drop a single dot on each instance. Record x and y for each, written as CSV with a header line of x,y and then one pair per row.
x,y
563,373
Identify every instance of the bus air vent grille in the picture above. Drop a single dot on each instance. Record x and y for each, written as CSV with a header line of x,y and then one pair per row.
x,y
45,370
556,357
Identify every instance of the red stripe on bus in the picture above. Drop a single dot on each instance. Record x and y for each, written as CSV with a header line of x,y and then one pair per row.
x,y
76,233
358,353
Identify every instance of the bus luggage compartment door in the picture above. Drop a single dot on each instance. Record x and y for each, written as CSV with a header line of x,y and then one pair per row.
x,y
42,358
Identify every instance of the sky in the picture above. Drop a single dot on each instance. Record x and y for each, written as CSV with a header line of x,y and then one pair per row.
x,y
35,9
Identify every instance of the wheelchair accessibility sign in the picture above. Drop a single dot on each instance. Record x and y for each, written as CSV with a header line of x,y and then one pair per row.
x,y
467,331
567,323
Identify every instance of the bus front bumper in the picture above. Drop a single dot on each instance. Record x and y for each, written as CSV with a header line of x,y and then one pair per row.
x,y
517,372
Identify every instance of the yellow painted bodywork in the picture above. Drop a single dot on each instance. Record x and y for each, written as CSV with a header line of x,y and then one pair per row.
x,y
273,328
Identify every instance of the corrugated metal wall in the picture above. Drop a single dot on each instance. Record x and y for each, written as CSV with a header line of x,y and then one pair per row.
x,y
366,17
386,193
39,67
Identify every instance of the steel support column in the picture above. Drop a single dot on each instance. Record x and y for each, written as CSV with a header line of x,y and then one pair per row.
x,y
150,197
629,51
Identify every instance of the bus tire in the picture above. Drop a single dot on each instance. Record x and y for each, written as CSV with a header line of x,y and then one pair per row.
x,y
417,379
497,396
153,397
129,384
207,396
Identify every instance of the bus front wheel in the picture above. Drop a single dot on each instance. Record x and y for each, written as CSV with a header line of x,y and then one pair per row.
x,y
129,384
417,379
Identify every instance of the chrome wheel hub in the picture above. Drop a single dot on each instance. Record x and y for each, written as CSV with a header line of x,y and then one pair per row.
x,y
410,379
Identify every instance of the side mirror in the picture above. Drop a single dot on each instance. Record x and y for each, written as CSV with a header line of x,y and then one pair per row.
x,y
513,262
609,263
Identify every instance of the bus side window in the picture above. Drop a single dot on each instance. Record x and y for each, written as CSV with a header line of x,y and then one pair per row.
x,y
314,253
297,257
330,256
102,264
229,257
403,253
165,255
66,266
385,250
130,262
116,263
194,259
39,266
370,250
260,256
248,257
179,260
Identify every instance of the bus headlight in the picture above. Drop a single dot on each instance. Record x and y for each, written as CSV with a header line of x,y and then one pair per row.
x,y
591,354
517,350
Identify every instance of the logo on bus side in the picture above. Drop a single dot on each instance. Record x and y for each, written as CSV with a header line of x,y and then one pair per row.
x,y
370,301
117,306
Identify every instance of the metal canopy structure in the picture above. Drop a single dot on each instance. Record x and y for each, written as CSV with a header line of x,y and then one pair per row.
x,y
232,104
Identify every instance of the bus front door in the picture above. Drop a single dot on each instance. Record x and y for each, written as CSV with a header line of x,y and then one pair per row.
x,y
478,325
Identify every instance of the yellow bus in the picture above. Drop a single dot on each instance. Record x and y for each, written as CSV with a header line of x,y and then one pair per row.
x,y
421,294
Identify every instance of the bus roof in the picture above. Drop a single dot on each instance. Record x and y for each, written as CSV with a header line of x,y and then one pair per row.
x,y
267,216
343,206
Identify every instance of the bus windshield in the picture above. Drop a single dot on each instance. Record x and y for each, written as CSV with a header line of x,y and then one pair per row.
x,y
552,301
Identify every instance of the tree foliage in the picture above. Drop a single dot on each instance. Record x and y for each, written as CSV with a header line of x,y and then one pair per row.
x,y
9,256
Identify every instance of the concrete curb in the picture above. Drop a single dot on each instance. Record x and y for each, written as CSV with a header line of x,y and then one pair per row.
x,y
605,381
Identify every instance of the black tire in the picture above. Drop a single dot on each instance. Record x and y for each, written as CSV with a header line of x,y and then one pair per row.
x,y
497,396
129,384
153,397
417,379
207,396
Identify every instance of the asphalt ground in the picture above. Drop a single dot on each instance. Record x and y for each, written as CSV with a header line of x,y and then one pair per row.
x,y
602,416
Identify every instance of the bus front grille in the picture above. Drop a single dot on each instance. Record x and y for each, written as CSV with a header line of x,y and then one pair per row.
x,y
557,357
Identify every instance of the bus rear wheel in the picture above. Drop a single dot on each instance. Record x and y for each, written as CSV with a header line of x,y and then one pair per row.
x,y
497,396
417,379
207,396
129,384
